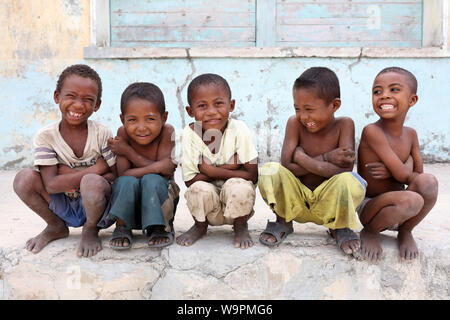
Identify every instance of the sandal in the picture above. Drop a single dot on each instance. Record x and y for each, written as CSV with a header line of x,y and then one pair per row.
x,y
344,235
161,234
124,233
276,229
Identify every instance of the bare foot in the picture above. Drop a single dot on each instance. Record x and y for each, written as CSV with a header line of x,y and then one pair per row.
x,y
159,240
371,248
90,243
197,231
270,238
349,246
407,245
241,236
47,235
119,242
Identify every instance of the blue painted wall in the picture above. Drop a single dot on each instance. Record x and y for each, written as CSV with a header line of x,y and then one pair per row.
x,y
261,87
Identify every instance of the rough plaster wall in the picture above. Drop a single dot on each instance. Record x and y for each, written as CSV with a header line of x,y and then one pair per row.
x,y
40,38
44,36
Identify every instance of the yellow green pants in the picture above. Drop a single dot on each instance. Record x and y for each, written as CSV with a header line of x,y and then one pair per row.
x,y
332,204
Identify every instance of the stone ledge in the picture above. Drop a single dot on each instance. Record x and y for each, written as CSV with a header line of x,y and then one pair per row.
x,y
261,52
307,265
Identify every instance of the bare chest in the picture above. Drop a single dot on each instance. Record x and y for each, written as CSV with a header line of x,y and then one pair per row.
x,y
317,143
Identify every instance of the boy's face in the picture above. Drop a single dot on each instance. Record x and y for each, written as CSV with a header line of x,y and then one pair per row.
x,y
77,99
211,105
311,111
142,120
391,95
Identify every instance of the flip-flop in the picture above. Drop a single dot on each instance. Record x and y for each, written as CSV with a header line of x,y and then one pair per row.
x,y
276,229
344,235
124,233
161,234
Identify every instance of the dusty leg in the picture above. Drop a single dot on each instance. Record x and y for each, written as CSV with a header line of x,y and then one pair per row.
x,y
383,212
30,189
95,192
427,186
197,231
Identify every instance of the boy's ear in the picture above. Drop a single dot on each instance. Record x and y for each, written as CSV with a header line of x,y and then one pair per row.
x,y
190,111
232,103
97,105
56,96
122,118
413,99
336,103
164,117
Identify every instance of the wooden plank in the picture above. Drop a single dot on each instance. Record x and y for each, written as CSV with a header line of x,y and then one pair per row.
x,y
339,33
176,19
182,6
369,44
340,22
186,44
266,20
182,34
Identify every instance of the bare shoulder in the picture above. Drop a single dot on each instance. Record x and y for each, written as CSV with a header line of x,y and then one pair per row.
x,y
411,132
345,123
371,129
292,122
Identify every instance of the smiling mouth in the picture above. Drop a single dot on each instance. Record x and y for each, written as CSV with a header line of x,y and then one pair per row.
x,y
386,107
310,124
75,115
212,121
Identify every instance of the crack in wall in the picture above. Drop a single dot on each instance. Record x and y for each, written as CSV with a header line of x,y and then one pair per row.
x,y
181,88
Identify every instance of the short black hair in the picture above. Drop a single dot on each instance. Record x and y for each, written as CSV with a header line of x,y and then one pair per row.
x,y
412,81
146,91
205,79
81,70
323,79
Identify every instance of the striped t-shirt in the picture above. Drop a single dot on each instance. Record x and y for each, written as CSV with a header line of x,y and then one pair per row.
x,y
51,149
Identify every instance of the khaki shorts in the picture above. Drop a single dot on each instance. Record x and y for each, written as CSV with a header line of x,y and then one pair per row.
x,y
220,206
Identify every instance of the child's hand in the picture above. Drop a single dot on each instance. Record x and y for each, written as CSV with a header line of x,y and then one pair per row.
x,y
341,157
378,170
205,166
167,167
118,146
298,152
101,167
232,164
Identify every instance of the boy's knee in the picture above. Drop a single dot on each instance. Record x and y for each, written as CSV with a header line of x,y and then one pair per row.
x,y
410,203
25,181
154,182
126,181
239,188
200,188
93,188
427,185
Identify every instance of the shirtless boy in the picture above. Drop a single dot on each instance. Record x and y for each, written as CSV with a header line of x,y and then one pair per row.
x,y
71,188
145,195
399,194
314,182
219,162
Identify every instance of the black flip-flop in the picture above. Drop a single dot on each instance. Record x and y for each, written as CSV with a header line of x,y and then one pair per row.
x,y
276,229
124,233
161,234
344,235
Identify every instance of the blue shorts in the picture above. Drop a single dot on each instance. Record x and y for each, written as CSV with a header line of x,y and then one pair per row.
x,y
72,212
